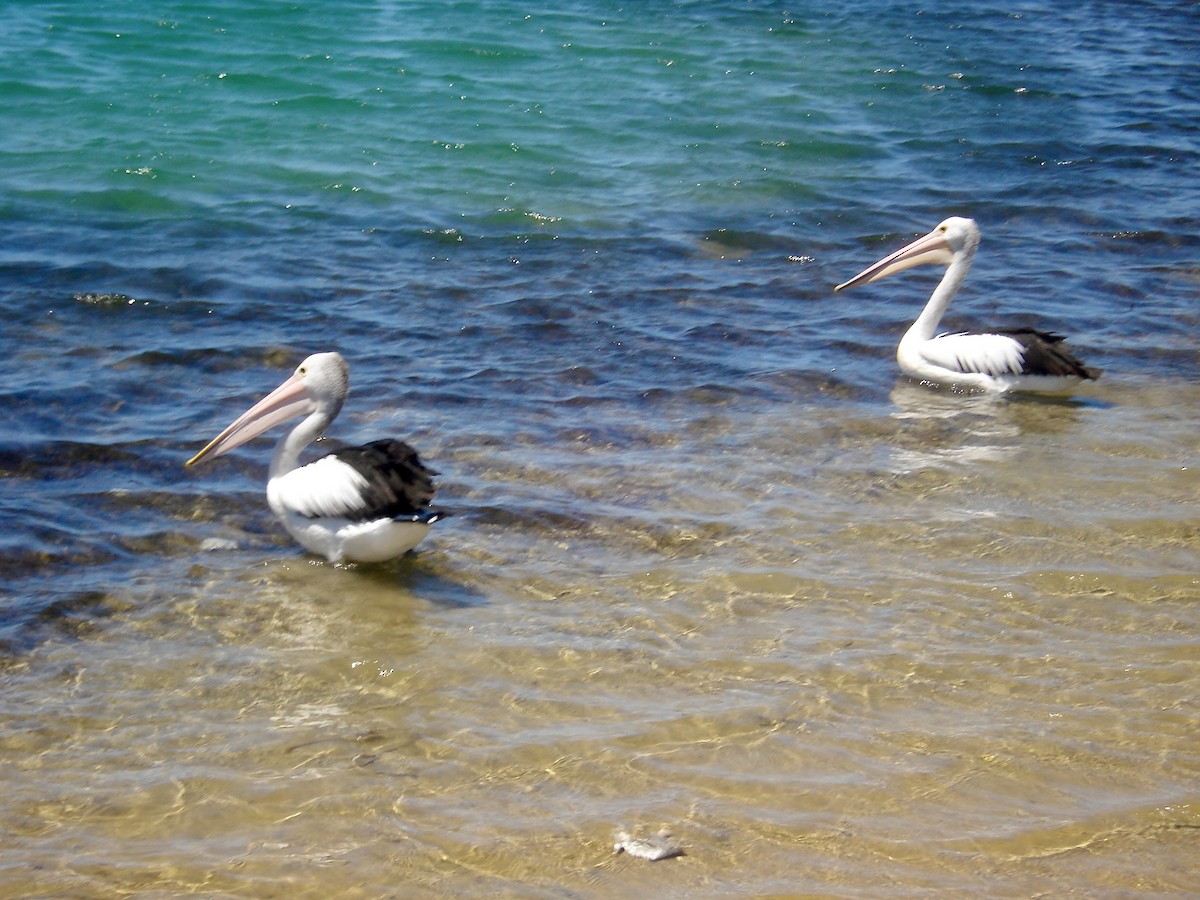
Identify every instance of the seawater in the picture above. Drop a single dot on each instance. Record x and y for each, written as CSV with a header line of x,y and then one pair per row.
x,y
715,565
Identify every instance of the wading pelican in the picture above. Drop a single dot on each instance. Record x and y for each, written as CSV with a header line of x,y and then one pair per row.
x,y
1001,360
356,504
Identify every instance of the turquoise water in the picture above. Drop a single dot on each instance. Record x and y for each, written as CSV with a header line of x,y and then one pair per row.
x,y
715,565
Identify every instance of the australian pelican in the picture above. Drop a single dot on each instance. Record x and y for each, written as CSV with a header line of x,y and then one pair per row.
x,y
356,504
1004,359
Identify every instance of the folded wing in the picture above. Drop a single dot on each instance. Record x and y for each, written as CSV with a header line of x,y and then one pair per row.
x,y
382,479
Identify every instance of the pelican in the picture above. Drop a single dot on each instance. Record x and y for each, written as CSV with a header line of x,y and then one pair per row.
x,y
1001,360
357,504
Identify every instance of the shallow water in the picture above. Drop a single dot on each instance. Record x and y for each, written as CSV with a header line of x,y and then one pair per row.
x,y
714,567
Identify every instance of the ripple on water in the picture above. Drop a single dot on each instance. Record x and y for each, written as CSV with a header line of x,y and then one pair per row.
x,y
713,566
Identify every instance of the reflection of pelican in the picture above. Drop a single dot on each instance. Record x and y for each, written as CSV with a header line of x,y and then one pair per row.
x,y
1001,360
939,429
912,401
359,504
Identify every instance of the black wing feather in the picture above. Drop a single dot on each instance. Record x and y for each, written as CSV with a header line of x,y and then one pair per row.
x,y
1045,353
399,485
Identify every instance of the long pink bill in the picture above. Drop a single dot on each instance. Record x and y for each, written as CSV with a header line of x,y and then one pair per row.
x,y
930,249
287,401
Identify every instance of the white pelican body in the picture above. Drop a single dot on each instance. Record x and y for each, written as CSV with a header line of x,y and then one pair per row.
x,y
1002,360
356,504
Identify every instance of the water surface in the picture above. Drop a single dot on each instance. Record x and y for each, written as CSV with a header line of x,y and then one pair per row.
x,y
715,565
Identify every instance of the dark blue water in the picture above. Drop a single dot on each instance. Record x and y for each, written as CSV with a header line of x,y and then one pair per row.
x,y
583,260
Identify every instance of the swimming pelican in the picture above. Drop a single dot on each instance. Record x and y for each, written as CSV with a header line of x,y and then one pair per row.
x,y
356,504
1001,360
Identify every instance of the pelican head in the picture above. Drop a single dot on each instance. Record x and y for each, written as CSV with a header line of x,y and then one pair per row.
x,y
956,238
319,385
